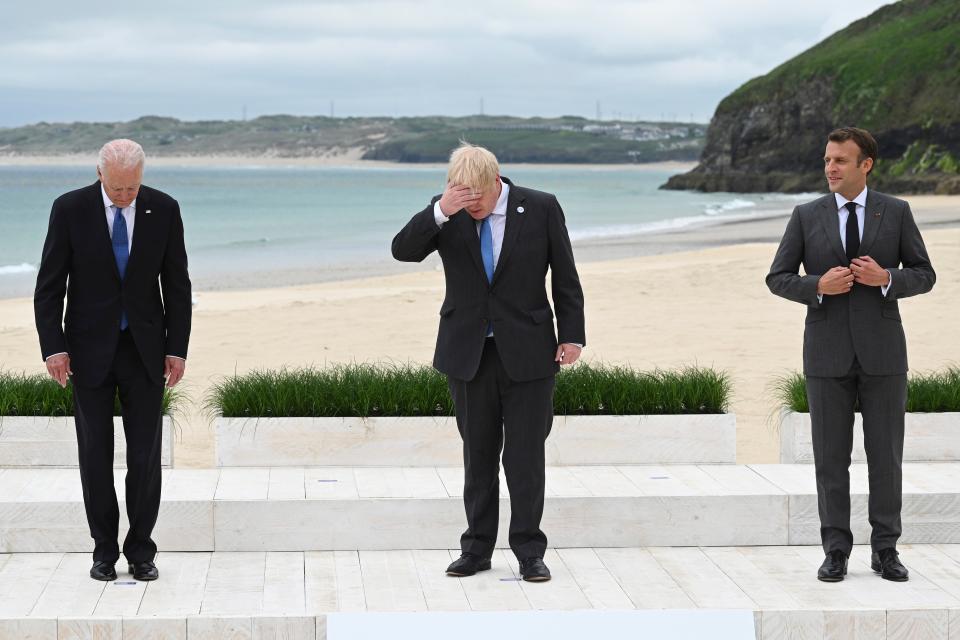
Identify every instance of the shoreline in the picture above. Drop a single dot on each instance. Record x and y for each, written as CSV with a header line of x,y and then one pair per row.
x,y
766,226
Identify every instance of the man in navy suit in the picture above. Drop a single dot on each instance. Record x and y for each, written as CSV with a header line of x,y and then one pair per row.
x,y
115,249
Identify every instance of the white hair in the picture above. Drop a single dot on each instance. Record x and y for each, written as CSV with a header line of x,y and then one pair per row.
x,y
122,153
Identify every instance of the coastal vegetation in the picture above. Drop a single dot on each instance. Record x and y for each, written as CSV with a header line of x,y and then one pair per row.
x,y
895,72
566,139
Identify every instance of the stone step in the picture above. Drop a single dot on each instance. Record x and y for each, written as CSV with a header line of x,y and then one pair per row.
x,y
344,508
319,595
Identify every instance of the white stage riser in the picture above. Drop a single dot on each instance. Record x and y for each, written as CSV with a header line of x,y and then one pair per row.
x,y
928,437
881,624
428,442
370,524
52,442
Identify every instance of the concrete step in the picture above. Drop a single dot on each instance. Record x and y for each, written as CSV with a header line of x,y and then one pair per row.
x,y
344,508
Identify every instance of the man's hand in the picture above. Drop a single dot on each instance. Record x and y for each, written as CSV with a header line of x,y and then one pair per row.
x,y
173,370
836,281
567,353
456,197
867,271
58,367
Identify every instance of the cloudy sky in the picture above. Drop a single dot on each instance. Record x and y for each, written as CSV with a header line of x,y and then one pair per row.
x,y
64,60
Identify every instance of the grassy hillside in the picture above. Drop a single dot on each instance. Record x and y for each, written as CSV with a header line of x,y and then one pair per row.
x,y
429,139
895,72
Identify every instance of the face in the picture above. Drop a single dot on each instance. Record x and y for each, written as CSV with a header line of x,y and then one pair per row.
x,y
121,184
840,166
488,200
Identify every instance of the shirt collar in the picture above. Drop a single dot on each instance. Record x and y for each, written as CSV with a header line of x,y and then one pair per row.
x,y
501,207
860,200
107,202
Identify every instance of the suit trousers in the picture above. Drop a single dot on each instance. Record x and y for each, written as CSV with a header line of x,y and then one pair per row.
x,y
882,402
496,413
140,406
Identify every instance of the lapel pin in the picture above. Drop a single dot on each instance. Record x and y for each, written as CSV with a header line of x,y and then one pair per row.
x,y
147,211
519,209
876,214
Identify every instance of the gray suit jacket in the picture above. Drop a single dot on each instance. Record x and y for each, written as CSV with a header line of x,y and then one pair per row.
x,y
862,323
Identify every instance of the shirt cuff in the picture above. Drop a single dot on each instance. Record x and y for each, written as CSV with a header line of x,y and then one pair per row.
x,y
438,214
177,357
885,288
62,353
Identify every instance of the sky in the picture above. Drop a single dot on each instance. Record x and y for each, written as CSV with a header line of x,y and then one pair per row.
x,y
66,61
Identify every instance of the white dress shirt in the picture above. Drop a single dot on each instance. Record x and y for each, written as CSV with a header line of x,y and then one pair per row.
x,y
129,214
843,213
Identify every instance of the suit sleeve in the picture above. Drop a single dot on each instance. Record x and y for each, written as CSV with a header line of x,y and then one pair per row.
x,y
175,284
784,278
52,284
565,283
418,239
916,275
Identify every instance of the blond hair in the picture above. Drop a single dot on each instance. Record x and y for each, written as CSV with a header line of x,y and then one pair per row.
x,y
122,154
473,167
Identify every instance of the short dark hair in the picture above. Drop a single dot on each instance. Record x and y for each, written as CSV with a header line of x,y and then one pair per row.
x,y
862,138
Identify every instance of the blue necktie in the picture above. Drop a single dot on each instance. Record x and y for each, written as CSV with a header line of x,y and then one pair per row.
x,y
486,247
121,251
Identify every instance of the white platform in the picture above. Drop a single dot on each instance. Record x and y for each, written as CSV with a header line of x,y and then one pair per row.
x,y
296,509
289,594
928,437
52,442
432,442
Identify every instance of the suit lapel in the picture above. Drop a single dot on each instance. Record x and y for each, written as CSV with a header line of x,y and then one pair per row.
x,y
98,222
872,217
141,222
468,230
512,229
831,225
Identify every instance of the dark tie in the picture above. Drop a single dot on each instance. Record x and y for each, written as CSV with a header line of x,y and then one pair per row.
x,y
853,232
121,251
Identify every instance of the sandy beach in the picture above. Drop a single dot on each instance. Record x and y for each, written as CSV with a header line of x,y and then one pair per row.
x,y
665,300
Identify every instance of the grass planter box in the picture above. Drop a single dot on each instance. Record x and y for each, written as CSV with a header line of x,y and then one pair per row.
x,y
932,424
47,441
431,442
928,437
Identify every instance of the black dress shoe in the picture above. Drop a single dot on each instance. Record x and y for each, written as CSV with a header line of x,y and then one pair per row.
x,y
145,571
887,563
467,565
834,567
533,570
103,571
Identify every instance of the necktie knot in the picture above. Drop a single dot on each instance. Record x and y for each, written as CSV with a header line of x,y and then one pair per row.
x,y
851,207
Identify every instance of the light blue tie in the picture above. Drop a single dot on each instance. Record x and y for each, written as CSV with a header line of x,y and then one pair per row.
x,y
486,247
121,251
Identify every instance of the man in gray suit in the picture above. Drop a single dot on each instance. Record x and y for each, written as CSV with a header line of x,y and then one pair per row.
x,y
861,251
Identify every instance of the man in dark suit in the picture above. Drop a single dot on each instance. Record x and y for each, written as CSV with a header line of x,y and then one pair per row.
x,y
861,251
116,250
496,341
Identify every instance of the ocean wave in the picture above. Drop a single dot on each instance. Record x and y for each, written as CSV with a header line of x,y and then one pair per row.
x,y
12,269
661,226
733,205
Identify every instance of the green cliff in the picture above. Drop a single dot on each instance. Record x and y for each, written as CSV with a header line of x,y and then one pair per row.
x,y
895,72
